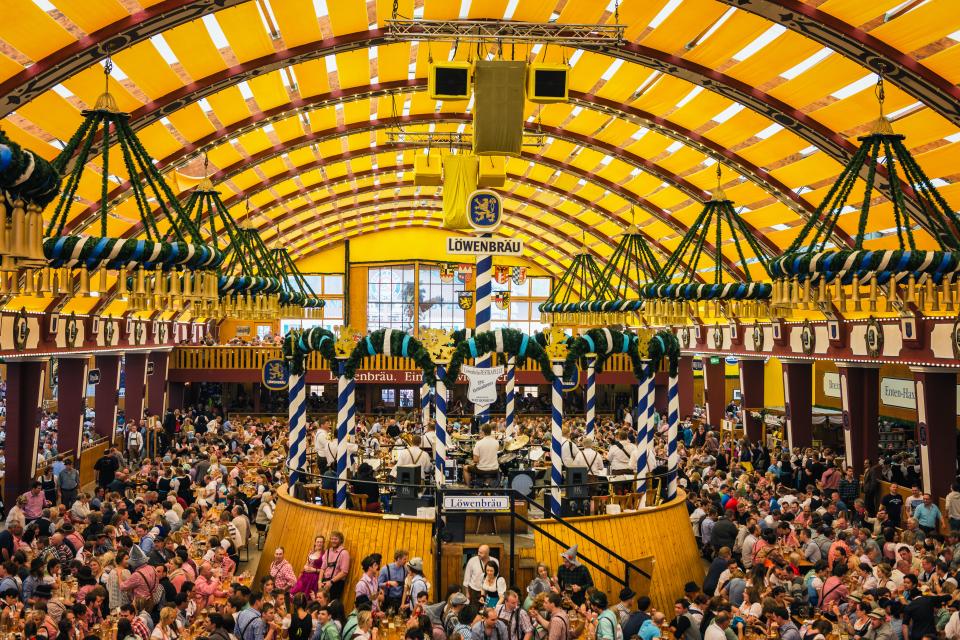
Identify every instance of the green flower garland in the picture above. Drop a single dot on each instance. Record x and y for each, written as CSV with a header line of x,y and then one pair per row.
x,y
297,344
515,343
401,344
115,253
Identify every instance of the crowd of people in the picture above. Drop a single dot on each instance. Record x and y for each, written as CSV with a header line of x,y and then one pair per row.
x,y
795,545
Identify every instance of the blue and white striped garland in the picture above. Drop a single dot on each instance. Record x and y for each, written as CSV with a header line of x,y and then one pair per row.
x,y
673,435
440,405
591,407
556,435
484,291
297,437
510,390
345,409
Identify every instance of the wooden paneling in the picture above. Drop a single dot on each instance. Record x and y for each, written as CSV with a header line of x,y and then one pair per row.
x,y
661,532
88,458
295,524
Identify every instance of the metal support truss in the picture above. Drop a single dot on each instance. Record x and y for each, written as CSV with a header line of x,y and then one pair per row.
x,y
567,35
438,139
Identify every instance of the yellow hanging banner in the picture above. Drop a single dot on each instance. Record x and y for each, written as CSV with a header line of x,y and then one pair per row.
x,y
459,181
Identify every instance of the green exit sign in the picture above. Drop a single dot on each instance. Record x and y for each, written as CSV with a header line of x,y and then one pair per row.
x,y
714,360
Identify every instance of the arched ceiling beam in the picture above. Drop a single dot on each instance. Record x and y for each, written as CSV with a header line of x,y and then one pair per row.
x,y
808,128
65,63
618,110
312,138
309,224
897,67
273,224
320,245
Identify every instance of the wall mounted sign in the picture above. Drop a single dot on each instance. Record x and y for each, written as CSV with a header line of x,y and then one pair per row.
x,y
275,376
484,210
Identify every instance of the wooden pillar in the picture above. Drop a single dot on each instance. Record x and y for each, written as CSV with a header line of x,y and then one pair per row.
x,y
751,390
936,428
135,381
157,382
71,403
685,390
106,395
798,402
176,395
860,399
714,390
24,388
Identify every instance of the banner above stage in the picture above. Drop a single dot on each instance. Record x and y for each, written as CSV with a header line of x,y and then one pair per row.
x,y
482,381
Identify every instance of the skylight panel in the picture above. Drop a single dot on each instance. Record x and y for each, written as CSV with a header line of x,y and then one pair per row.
x,y
868,80
331,63
576,111
711,29
605,160
816,58
216,33
267,18
690,96
511,8
780,227
245,90
464,9
664,13
320,6
709,162
953,137
115,72
760,42
575,57
903,8
676,146
164,49
649,83
905,111
639,133
728,113
612,69
45,5
62,91
806,151
769,131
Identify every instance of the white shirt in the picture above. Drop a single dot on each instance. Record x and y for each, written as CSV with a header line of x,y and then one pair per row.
x,y
714,632
568,452
619,458
429,440
486,451
320,440
592,460
473,573
952,630
412,457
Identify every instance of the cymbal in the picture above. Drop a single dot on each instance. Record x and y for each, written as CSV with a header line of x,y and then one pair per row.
x,y
517,443
463,436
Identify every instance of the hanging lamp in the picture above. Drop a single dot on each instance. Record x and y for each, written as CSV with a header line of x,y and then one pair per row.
x,y
614,298
812,272
27,184
682,281
298,299
573,288
148,260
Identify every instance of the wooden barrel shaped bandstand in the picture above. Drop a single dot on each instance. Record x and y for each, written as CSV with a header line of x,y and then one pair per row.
x,y
657,539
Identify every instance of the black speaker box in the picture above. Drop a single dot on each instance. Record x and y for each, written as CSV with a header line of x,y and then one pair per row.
x,y
522,480
408,478
407,506
577,482
570,507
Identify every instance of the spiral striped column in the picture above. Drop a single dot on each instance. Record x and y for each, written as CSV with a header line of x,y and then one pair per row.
x,y
424,403
484,292
297,438
345,412
510,389
591,393
642,435
556,435
440,413
673,435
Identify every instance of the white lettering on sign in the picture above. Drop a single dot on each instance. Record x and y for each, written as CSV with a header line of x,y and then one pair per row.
x,y
896,392
831,385
484,246
476,503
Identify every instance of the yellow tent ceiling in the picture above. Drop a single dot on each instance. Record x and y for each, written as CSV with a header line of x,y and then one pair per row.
x,y
291,101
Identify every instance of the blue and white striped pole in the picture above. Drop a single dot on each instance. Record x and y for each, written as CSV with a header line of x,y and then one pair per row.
x,y
673,435
484,292
345,411
297,438
591,393
440,448
424,403
556,435
642,436
511,388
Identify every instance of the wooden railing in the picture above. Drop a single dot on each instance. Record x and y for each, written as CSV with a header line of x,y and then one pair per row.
x,y
249,357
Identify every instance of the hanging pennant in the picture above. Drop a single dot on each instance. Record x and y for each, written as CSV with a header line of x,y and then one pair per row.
x,y
465,300
501,273
463,272
447,272
502,300
519,275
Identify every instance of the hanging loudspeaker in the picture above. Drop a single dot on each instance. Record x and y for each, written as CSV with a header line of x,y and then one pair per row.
x,y
498,109
547,83
449,81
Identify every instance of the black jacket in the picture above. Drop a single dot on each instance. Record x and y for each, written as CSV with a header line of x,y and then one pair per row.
x,y
724,534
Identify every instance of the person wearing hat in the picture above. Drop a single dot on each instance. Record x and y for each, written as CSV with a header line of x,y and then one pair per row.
x,y
603,622
624,608
880,628
573,577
